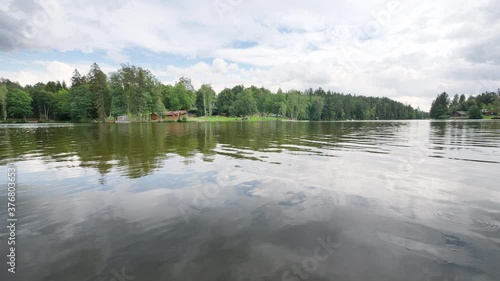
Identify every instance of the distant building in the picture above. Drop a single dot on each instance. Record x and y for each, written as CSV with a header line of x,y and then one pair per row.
x,y
154,117
459,114
169,115
174,115
487,112
123,119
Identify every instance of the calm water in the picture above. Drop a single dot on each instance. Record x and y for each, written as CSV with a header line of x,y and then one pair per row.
x,y
255,201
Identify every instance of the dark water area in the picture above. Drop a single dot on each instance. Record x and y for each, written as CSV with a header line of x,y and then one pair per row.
x,y
416,200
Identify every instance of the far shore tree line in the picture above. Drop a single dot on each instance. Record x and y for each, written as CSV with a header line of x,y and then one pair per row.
x,y
473,107
137,93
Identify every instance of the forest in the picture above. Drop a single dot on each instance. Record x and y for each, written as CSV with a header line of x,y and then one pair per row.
x,y
473,107
136,92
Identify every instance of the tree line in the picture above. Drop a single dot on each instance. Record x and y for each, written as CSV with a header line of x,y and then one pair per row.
x,y
136,92
443,107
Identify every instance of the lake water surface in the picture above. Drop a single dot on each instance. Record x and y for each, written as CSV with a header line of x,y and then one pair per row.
x,y
417,200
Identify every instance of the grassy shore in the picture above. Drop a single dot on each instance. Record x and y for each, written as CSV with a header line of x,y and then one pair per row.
x,y
203,119
232,119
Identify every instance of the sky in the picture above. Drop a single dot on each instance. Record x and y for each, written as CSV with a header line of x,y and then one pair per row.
x,y
406,50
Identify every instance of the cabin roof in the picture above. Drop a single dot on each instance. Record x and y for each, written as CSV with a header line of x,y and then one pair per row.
x,y
176,113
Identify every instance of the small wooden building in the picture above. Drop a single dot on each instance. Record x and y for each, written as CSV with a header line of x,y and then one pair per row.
x,y
154,117
123,119
487,112
174,115
169,115
459,114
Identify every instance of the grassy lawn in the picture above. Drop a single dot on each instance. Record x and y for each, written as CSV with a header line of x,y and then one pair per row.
x,y
231,119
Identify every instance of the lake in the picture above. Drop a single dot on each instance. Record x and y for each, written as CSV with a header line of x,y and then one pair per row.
x,y
415,200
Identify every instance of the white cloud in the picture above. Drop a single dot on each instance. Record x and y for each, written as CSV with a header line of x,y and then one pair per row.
x,y
5,5
117,56
364,47
45,71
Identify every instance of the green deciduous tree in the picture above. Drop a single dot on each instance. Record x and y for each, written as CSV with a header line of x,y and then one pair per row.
x,y
245,104
278,104
156,103
282,108
180,96
316,108
18,103
3,100
81,104
296,104
62,109
43,100
475,112
224,101
263,99
186,83
207,95
135,92
496,106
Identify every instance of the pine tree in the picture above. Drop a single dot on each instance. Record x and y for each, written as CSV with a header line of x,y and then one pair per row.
x,y
77,79
99,87
439,108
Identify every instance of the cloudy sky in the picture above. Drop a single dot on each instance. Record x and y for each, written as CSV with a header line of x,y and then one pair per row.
x,y
406,50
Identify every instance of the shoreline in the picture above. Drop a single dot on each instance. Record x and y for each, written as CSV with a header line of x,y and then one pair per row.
x,y
224,119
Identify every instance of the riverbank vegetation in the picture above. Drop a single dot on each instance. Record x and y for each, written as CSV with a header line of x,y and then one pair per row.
x,y
135,92
474,107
